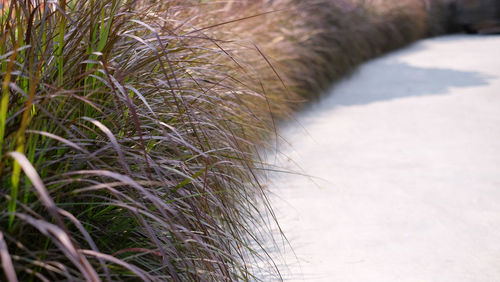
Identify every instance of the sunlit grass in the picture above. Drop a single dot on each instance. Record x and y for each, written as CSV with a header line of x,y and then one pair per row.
x,y
130,130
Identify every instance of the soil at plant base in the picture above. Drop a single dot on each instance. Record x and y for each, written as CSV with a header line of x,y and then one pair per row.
x,y
404,159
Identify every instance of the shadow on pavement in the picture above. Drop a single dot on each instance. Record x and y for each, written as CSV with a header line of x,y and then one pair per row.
x,y
382,81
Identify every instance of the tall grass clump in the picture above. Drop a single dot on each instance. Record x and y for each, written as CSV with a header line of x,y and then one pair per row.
x,y
127,135
130,130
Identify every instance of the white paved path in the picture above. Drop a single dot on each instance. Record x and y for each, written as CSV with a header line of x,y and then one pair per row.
x,y
406,159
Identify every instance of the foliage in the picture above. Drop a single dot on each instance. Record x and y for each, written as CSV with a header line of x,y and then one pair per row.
x,y
130,130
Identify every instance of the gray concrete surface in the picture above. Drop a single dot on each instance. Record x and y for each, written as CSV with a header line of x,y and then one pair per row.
x,y
404,165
